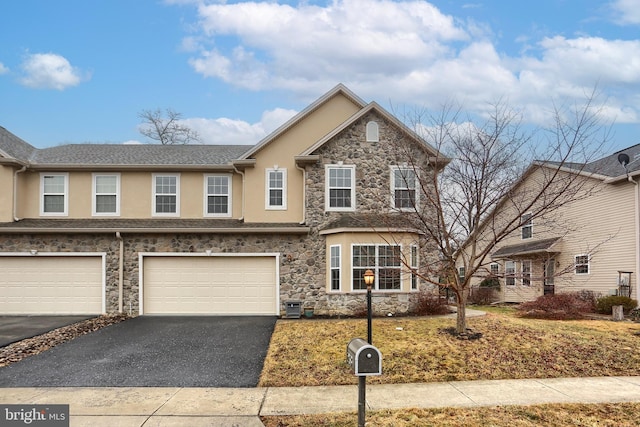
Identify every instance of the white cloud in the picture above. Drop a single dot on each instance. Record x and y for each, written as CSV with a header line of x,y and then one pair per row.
x,y
407,52
303,48
3,68
49,71
627,12
229,131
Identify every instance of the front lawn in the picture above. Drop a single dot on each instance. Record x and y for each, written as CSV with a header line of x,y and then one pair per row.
x,y
312,352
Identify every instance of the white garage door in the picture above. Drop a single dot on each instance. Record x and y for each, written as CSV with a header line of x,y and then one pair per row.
x,y
209,285
51,285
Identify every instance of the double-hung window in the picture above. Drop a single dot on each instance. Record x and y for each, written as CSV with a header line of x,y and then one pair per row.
x,y
54,193
166,195
582,264
414,268
106,194
335,267
403,188
527,226
340,188
526,273
510,273
217,195
383,260
276,193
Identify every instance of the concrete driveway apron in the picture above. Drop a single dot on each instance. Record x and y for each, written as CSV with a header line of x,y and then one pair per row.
x,y
154,351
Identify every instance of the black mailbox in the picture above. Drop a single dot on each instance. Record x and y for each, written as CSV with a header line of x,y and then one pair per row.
x,y
364,358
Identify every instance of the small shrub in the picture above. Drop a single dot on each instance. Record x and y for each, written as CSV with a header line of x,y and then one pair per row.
x,y
605,305
635,315
427,303
558,307
491,282
588,297
482,296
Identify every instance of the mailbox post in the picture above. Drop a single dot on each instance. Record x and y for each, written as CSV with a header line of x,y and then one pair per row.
x,y
365,360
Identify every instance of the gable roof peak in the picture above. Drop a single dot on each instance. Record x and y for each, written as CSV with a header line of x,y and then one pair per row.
x,y
338,89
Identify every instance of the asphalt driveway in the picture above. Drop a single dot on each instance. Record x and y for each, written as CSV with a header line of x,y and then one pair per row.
x,y
153,351
17,328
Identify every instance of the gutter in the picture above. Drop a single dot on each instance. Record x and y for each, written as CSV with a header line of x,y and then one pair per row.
x,y
67,230
120,271
637,227
243,191
15,192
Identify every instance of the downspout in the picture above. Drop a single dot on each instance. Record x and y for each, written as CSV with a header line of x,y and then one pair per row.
x,y
15,192
120,272
637,227
304,194
243,190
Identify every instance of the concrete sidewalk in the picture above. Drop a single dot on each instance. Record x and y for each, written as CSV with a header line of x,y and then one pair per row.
x,y
175,406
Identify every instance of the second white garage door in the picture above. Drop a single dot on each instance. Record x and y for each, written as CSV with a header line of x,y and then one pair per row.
x,y
209,285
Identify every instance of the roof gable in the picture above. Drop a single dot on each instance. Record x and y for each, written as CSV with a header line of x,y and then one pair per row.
x,y
373,106
14,148
340,89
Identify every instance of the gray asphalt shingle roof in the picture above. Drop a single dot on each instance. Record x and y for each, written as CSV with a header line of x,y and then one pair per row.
x,y
120,154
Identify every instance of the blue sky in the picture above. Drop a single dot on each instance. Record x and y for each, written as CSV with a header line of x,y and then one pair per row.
x,y
77,71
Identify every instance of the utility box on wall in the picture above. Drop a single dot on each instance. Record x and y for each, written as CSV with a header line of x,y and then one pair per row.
x,y
293,309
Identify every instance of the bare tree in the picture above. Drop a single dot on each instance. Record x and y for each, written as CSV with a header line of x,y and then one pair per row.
x,y
477,201
166,127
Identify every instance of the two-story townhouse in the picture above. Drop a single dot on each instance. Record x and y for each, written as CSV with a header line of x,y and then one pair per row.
x,y
209,229
591,243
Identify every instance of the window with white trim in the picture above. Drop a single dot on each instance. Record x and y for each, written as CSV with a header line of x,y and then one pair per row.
x,y
54,197
527,226
526,273
217,195
106,194
582,264
383,260
403,188
166,195
510,273
414,268
276,194
494,269
334,259
340,188
372,132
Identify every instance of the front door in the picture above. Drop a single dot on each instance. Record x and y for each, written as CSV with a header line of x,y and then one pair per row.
x,y
549,273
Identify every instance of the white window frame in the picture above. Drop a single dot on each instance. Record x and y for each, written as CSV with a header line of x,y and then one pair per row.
x,y
494,269
328,188
65,194
154,194
337,266
377,267
228,195
525,280
373,131
415,280
526,225
95,194
510,271
404,187
587,264
267,201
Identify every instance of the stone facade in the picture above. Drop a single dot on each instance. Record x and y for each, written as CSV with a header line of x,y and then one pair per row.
x,y
303,269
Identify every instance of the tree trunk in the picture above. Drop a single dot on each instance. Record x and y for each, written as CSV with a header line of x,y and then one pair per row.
x,y
461,318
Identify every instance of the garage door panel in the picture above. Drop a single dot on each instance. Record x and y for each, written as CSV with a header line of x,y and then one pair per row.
x,y
51,285
209,285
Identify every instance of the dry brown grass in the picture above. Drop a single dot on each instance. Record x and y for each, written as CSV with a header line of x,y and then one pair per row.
x,y
556,415
312,352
